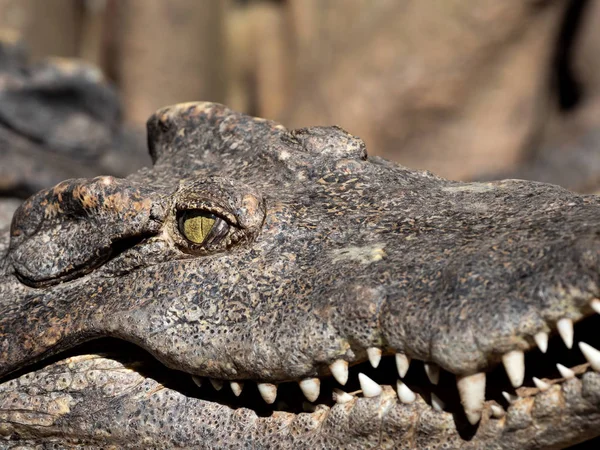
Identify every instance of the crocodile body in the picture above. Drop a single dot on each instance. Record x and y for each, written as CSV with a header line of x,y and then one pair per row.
x,y
271,260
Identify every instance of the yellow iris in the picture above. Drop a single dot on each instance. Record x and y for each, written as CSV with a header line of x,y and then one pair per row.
x,y
197,225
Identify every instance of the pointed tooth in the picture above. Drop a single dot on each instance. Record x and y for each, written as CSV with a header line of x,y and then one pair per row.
x,y
217,384
541,385
404,393
339,370
437,403
497,411
591,354
374,355
311,387
268,392
595,304
402,364
565,372
541,339
510,398
368,386
340,396
471,389
236,387
197,380
565,329
433,372
514,364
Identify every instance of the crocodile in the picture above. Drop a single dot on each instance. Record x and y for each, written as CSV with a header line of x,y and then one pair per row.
x,y
261,287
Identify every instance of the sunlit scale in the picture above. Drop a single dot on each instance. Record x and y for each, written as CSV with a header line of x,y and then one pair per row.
x,y
471,387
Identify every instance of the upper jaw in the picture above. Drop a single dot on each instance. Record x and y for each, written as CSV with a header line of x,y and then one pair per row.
x,y
462,309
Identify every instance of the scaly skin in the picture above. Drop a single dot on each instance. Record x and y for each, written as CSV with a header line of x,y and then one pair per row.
x,y
328,253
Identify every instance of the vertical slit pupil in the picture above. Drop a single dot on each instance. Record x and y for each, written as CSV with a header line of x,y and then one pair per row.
x,y
196,225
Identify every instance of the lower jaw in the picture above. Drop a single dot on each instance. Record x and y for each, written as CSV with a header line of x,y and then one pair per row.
x,y
133,401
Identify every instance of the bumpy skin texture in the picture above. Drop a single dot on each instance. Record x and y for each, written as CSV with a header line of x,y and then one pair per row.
x,y
329,252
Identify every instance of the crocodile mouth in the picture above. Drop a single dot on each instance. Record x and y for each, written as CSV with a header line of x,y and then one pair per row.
x,y
435,386
547,373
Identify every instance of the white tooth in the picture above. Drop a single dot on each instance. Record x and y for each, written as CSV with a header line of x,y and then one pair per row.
x,y
369,387
340,396
510,397
471,389
197,380
374,355
591,354
541,385
236,387
433,372
541,339
565,372
217,384
514,364
565,329
404,393
402,364
339,370
497,411
595,304
268,392
437,403
310,388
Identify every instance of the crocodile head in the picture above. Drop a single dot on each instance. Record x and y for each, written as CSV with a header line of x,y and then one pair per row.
x,y
343,301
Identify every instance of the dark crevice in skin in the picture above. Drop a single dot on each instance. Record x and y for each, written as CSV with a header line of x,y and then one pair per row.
x,y
117,247
290,398
122,245
592,444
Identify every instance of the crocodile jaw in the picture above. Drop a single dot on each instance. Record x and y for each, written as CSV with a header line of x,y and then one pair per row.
x,y
97,400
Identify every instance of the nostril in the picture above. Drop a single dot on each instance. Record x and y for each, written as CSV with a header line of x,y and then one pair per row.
x,y
63,232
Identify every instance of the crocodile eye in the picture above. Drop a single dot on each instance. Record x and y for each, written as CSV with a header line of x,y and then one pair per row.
x,y
202,227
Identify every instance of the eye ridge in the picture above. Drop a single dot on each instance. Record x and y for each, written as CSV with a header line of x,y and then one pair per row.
x,y
202,228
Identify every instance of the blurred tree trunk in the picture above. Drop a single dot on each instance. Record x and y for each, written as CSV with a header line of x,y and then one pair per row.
x,y
258,59
456,87
170,52
48,27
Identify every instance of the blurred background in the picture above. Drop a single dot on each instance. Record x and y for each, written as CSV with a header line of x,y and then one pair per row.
x,y
469,90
